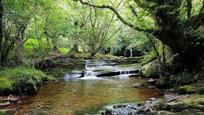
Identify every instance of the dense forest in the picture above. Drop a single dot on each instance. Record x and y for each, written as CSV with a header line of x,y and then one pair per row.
x,y
112,51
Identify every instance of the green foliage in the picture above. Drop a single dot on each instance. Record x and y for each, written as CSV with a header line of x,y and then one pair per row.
x,y
183,78
21,80
64,50
31,44
130,39
148,57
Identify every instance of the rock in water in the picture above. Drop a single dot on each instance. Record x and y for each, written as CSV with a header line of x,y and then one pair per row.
x,y
151,81
137,85
147,108
4,104
122,109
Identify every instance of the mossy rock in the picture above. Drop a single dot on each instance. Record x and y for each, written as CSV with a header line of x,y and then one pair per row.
x,y
151,69
187,89
106,56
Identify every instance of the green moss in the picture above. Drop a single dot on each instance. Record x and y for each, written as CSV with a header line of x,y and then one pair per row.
x,y
148,57
105,56
64,50
21,80
80,55
186,89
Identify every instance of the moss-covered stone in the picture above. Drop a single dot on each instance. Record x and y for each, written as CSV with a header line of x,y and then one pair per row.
x,y
151,69
186,89
21,80
105,56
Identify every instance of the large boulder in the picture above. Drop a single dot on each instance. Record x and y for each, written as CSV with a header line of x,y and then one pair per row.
x,y
151,69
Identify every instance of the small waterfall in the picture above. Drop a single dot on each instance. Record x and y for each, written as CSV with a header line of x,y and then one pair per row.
x,y
124,73
89,72
100,69
131,55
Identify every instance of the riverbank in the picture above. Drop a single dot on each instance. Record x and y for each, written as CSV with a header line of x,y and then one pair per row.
x,y
21,80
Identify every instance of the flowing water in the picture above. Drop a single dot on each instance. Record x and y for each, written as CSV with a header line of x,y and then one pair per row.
x,y
87,94
131,54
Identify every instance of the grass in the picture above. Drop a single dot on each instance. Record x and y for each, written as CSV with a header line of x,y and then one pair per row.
x,y
21,79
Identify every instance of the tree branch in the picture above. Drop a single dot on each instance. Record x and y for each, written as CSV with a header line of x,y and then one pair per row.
x,y
189,8
117,14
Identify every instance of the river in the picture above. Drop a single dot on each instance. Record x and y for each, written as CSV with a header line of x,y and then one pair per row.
x,y
83,92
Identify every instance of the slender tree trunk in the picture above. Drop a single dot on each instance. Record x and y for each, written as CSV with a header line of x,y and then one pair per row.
x,y
1,22
1,33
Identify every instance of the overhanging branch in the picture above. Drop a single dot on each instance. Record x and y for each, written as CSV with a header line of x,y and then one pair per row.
x,y
118,15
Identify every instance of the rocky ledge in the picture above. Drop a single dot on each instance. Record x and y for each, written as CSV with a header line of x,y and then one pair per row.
x,y
7,104
171,104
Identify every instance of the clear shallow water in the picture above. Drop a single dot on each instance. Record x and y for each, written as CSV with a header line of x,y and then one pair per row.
x,y
70,97
86,94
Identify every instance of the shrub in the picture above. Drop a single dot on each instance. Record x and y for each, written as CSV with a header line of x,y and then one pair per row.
x,y
21,80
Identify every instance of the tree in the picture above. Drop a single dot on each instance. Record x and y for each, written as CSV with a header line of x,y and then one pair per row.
x,y
96,30
1,26
176,22
15,19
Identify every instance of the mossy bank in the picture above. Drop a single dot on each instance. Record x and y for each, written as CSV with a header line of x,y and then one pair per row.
x,y
21,80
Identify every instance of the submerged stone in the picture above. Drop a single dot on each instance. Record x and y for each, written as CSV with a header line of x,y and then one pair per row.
x,y
137,85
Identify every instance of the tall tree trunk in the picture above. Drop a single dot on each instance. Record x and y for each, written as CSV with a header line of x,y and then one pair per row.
x,y
1,33
178,37
1,22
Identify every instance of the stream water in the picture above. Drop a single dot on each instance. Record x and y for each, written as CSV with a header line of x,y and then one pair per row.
x,y
82,92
